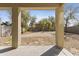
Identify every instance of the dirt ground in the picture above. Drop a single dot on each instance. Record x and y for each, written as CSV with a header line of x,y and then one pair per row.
x,y
72,43
46,38
38,38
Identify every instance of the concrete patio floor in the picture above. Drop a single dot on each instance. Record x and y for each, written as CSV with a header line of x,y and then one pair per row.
x,y
34,51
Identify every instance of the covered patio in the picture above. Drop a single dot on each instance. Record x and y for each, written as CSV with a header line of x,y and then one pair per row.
x,y
34,51
16,30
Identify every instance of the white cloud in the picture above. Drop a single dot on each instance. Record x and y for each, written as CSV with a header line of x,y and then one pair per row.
x,y
72,22
40,18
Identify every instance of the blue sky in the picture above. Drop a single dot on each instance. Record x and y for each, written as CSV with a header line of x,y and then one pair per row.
x,y
42,13
4,14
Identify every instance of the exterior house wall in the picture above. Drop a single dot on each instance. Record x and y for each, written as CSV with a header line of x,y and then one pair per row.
x,y
5,30
73,29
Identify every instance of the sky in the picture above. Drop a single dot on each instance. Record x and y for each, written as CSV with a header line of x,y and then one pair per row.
x,y
4,14
42,14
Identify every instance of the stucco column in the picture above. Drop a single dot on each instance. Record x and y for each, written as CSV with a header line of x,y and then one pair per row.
x,y
60,26
16,27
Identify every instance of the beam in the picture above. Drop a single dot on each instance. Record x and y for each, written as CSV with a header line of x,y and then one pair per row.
x,y
5,8
37,8
29,5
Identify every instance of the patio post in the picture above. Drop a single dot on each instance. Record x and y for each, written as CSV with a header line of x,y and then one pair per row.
x,y
60,26
16,27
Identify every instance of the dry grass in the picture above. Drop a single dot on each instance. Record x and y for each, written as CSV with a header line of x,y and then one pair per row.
x,y
5,41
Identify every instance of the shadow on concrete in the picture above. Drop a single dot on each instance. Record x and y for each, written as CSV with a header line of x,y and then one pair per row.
x,y
54,51
6,49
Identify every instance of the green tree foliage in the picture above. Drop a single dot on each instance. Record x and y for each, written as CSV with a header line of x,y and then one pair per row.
x,y
32,22
25,19
45,25
52,20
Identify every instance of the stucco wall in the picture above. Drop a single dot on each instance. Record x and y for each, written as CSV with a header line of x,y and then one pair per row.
x,y
74,29
5,30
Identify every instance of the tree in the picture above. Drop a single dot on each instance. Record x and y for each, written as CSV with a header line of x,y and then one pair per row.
x,y
52,20
48,25
42,24
6,23
70,14
45,24
24,21
32,22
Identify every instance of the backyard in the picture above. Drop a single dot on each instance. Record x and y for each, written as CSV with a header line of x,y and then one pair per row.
x,y
37,27
46,38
